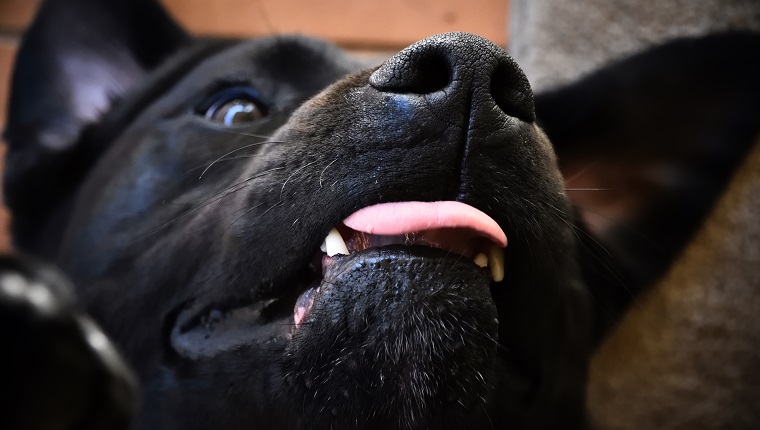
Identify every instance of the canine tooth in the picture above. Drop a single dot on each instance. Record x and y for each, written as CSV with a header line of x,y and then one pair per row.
x,y
334,244
496,263
481,260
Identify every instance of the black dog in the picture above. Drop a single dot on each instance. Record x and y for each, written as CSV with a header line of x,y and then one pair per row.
x,y
276,237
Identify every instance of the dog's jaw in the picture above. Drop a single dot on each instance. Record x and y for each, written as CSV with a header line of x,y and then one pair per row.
x,y
406,336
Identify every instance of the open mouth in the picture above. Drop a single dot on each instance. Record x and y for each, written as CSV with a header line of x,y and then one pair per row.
x,y
452,228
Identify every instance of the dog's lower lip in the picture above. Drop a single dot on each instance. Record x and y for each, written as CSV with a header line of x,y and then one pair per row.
x,y
303,305
330,267
206,332
306,298
213,315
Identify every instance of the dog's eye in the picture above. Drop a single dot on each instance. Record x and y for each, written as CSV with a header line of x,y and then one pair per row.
x,y
234,107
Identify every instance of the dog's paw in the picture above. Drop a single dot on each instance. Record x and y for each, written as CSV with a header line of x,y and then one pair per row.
x,y
59,369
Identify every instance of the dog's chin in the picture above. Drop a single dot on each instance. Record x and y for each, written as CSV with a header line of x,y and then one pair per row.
x,y
396,335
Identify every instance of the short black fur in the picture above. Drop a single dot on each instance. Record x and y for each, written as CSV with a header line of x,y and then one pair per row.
x,y
189,240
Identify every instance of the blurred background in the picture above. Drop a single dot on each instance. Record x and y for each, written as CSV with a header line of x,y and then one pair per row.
x,y
367,27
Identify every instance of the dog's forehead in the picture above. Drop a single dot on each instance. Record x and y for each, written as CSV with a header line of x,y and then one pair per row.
x,y
283,71
298,63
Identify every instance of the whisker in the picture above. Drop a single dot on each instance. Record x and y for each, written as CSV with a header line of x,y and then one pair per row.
x,y
576,229
251,210
592,189
214,198
237,157
581,173
243,133
262,13
282,190
219,220
236,150
250,178
580,234
323,170
623,225
603,262
482,405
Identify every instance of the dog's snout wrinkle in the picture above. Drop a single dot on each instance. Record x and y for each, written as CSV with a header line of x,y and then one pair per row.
x,y
460,64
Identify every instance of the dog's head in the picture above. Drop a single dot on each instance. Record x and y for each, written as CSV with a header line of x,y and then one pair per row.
x,y
278,237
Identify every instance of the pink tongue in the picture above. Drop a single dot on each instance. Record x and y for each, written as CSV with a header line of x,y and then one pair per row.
x,y
408,217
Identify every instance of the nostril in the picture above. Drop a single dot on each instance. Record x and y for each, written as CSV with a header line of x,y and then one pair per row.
x,y
418,72
433,75
471,70
512,93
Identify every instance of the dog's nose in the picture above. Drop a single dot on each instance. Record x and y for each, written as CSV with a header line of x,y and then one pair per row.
x,y
464,67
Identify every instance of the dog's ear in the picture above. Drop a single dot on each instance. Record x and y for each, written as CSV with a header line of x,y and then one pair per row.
x,y
77,58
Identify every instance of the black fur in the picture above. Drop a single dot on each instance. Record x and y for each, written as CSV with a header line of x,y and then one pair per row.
x,y
189,240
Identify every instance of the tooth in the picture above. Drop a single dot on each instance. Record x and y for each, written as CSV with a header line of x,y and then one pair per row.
x,y
481,260
496,263
334,244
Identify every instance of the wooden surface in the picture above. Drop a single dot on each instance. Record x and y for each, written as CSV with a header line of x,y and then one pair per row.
x,y
7,51
393,23
387,23
16,14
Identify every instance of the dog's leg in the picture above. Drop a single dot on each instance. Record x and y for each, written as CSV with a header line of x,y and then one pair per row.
x,y
59,370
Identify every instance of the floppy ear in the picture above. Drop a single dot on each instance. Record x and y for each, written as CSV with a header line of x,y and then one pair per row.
x,y
77,58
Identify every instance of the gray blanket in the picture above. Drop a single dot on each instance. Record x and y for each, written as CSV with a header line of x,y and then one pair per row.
x,y
687,353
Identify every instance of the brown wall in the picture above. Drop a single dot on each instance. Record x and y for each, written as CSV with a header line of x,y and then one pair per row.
x,y
366,26
393,23
7,51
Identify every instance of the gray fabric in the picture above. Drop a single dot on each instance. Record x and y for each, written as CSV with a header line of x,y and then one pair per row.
x,y
557,41
686,355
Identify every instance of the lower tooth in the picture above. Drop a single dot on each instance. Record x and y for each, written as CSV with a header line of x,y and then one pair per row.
x,y
481,260
496,263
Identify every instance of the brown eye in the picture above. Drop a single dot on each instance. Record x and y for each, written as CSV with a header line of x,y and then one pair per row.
x,y
233,106
234,112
